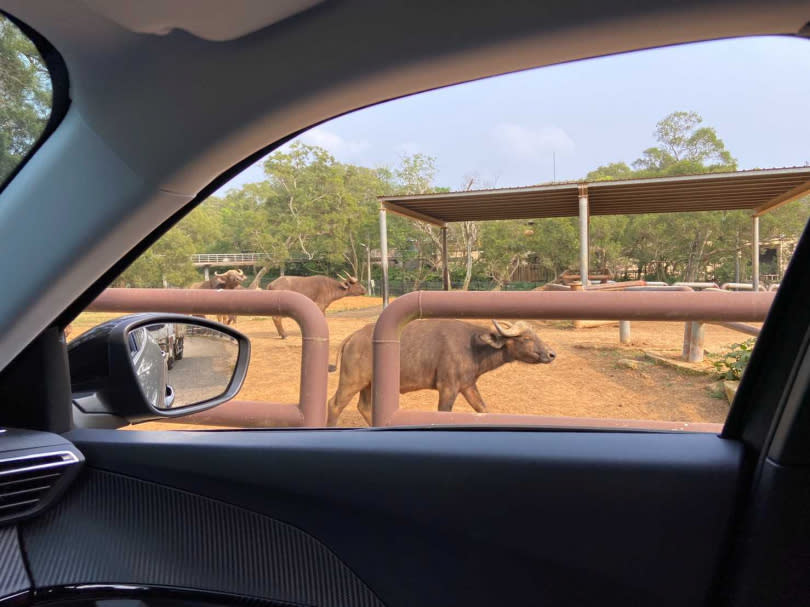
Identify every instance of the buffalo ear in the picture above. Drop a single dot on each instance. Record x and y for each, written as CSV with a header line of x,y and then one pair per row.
x,y
494,340
344,285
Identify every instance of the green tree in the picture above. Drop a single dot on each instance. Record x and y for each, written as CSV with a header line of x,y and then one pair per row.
x,y
685,148
25,96
166,263
609,172
322,209
670,245
504,247
417,244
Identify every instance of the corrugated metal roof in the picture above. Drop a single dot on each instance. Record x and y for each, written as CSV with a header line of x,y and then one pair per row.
x,y
756,190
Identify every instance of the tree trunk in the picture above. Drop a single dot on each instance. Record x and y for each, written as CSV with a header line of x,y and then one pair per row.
x,y
256,283
469,231
353,259
696,250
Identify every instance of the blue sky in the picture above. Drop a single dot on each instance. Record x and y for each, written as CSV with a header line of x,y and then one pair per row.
x,y
505,130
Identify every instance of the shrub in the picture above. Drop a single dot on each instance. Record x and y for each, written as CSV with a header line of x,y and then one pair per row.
x,y
731,364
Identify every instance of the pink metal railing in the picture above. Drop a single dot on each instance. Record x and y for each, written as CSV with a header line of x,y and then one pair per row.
x,y
678,306
311,409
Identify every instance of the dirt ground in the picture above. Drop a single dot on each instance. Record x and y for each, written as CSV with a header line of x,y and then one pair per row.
x,y
586,380
205,371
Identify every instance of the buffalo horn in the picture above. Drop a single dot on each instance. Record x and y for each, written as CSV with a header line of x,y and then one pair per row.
x,y
508,330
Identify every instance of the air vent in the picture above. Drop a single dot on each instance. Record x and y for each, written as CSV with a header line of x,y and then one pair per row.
x,y
26,482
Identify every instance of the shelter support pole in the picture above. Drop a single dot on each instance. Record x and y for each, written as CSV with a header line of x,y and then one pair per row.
x,y
206,273
583,235
368,266
779,268
384,253
755,255
445,264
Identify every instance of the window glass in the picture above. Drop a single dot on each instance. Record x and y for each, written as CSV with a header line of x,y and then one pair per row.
x,y
312,209
25,96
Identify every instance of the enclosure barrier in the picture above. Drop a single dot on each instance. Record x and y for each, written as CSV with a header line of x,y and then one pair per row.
x,y
696,285
662,306
740,286
693,331
311,408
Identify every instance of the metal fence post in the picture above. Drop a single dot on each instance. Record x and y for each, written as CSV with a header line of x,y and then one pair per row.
x,y
698,332
687,340
624,331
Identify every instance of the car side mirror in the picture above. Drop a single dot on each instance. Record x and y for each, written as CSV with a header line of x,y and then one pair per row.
x,y
146,367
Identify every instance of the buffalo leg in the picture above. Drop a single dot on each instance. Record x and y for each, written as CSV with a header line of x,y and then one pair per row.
x,y
447,397
475,399
279,327
338,402
364,404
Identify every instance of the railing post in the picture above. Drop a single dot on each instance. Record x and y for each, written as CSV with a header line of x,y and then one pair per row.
x,y
698,332
624,331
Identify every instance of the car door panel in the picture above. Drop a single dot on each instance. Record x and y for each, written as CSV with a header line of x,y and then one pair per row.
x,y
401,517
13,575
120,529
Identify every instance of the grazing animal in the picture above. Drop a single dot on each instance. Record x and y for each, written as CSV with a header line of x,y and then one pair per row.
x,y
444,355
227,280
323,290
230,319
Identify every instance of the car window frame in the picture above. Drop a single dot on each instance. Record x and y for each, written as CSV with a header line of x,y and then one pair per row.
x,y
749,419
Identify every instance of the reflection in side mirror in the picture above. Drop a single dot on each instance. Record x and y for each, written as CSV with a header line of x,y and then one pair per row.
x,y
180,365
145,367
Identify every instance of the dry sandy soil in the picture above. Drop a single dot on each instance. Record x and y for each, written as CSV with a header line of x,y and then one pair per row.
x,y
585,380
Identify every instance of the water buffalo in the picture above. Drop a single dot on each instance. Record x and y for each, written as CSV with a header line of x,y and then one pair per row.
x,y
230,319
320,289
227,280
444,355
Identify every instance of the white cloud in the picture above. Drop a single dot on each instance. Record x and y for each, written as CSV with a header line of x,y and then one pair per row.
x,y
334,143
532,144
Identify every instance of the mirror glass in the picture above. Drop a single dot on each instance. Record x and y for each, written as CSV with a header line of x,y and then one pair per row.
x,y
182,364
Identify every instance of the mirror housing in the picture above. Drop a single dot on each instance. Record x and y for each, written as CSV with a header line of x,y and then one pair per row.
x,y
106,389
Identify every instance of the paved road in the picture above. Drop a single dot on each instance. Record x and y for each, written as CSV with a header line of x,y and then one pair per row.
x,y
205,371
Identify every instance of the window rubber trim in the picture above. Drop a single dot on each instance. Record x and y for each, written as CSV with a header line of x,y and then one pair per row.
x,y
60,90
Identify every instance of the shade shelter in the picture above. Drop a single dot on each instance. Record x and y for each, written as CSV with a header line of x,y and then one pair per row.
x,y
758,191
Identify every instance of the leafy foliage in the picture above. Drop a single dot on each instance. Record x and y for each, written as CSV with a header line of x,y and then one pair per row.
x,y
685,149
313,214
731,365
25,96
